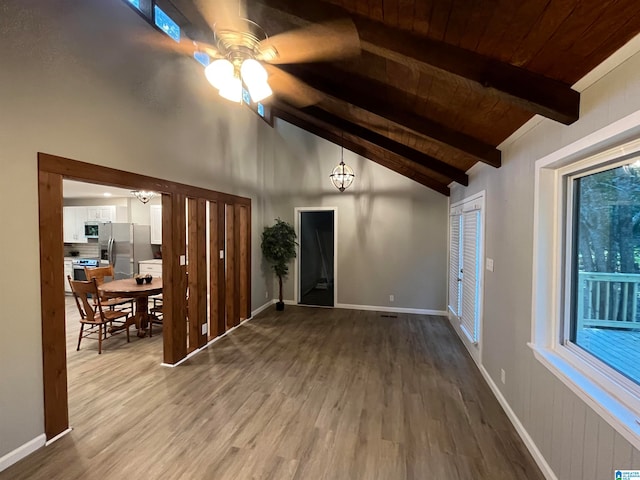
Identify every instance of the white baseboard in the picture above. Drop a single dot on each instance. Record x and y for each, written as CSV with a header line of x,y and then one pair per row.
x,y
524,435
377,308
262,308
210,342
374,308
22,451
515,421
58,437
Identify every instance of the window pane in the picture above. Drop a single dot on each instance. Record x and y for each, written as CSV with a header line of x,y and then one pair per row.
x,y
166,24
606,273
202,58
135,3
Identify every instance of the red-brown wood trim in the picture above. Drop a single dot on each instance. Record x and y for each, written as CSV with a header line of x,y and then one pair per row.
x,y
174,278
214,258
222,285
248,266
242,255
231,290
76,170
54,355
51,171
197,268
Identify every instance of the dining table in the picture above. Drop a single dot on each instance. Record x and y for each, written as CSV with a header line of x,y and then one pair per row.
x,y
128,287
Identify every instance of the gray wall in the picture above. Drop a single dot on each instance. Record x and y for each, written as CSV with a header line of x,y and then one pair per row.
x,y
392,232
575,441
76,82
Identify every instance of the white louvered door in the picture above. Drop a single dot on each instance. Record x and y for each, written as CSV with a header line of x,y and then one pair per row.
x,y
454,264
470,274
466,260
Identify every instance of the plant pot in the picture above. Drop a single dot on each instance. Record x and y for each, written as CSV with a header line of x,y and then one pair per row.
x,y
280,306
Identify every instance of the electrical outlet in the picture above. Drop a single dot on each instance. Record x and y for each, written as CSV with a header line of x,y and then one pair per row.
x,y
266,295
183,259
392,298
205,329
503,376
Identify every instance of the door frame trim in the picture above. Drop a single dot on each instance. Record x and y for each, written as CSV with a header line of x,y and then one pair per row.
x,y
296,266
52,170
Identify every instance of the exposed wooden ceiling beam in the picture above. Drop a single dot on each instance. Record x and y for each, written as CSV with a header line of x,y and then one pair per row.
x,y
374,96
518,86
402,167
415,156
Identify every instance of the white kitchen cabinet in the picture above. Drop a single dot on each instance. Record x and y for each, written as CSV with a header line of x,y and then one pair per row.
x,y
73,222
151,267
102,214
156,224
68,270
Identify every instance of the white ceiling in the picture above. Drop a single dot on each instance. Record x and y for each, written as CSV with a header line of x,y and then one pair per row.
x,y
72,189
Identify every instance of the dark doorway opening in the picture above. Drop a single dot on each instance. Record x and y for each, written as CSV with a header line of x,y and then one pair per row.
x,y
316,258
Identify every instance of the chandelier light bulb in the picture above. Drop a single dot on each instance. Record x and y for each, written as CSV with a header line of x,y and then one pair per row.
x,y
219,73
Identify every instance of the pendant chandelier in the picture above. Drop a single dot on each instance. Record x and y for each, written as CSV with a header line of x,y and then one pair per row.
x,y
143,195
342,175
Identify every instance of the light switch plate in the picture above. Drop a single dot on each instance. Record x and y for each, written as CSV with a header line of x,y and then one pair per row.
x,y
490,264
221,254
183,259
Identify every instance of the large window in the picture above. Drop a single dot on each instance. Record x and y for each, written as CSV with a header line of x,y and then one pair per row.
x,y
586,276
604,252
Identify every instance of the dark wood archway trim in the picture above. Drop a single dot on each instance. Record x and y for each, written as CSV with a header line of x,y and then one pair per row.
x,y
51,171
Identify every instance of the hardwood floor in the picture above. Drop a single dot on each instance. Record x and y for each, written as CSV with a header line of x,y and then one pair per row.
x,y
302,394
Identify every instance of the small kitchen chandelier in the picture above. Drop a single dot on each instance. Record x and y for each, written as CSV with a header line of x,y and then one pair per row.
x,y
143,195
342,175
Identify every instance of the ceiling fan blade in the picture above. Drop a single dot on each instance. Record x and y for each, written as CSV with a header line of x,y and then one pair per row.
x,y
225,13
318,42
287,87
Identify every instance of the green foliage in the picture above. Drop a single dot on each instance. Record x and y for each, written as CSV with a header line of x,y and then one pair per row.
x,y
279,246
608,237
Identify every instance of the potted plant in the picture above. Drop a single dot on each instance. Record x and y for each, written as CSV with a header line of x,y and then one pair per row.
x,y
279,248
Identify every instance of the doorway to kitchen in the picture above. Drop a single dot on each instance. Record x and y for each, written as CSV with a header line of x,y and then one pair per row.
x,y
188,214
316,260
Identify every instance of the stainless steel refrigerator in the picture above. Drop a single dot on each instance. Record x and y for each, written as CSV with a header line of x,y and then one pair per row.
x,y
123,245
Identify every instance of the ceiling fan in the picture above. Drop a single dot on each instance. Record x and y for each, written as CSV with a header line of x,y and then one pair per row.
x,y
244,55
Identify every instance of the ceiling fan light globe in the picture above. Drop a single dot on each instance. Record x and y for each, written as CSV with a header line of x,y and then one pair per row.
x,y
219,72
252,71
232,90
259,91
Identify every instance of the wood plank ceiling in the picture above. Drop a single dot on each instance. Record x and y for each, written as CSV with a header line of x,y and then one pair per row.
x,y
439,84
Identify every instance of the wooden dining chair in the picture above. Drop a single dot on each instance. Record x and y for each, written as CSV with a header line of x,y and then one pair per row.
x,y
99,273
92,315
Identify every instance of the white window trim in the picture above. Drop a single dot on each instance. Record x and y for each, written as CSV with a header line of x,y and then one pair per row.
x,y
603,392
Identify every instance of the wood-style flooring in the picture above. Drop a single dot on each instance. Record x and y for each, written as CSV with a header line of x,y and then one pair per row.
x,y
300,394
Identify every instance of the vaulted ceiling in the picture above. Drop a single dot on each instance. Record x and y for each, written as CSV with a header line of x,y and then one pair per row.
x,y
438,84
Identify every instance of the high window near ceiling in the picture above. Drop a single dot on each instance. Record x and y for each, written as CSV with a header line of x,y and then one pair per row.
x,y
586,302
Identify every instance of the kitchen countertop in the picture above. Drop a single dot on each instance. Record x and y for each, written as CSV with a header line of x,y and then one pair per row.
x,y
156,261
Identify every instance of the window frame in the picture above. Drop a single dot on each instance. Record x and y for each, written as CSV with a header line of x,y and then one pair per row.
x,y
612,395
614,380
